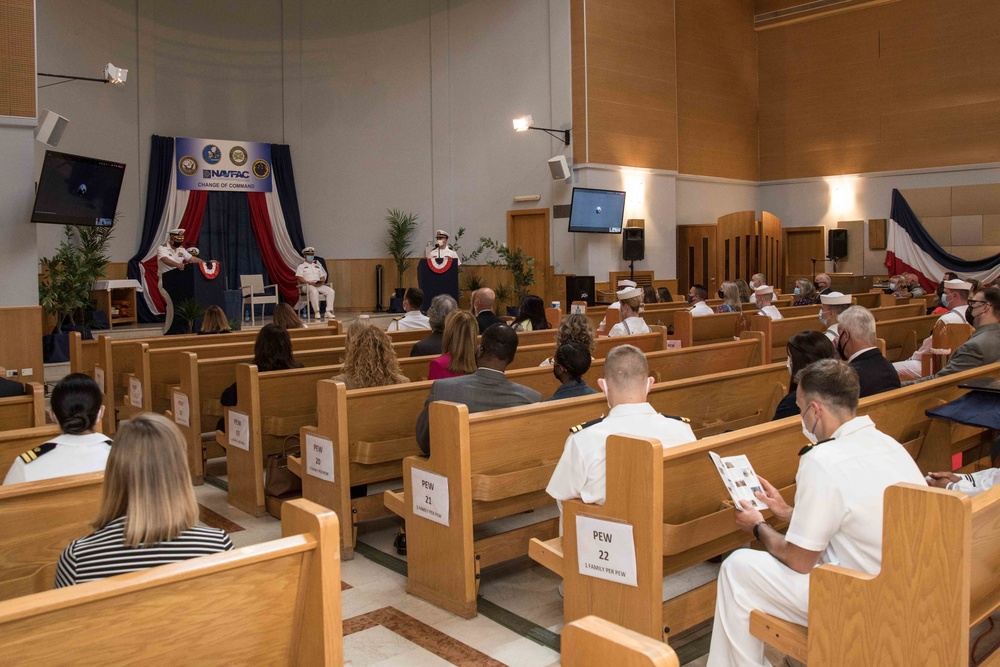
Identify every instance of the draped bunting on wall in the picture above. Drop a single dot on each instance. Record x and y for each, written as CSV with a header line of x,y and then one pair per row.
x,y
270,240
911,249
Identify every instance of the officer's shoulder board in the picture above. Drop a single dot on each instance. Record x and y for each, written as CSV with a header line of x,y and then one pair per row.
x,y
680,419
808,448
580,427
40,450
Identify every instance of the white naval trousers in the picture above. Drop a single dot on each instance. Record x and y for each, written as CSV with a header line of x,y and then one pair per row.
x,y
313,292
911,369
169,318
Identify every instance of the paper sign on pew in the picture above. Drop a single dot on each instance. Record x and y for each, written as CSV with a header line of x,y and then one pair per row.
x,y
740,479
135,392
99,377
239,430
319,457
182,409
606,550
430,495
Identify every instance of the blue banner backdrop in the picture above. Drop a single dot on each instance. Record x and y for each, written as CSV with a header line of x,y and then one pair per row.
x,y
223,166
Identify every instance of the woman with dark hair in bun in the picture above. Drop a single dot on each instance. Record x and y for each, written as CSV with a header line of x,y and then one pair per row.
x,y
77,405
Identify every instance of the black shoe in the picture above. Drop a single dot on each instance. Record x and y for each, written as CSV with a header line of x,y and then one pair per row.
x,y
400,543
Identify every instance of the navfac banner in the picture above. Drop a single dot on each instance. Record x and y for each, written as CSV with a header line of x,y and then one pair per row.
x,y
223,166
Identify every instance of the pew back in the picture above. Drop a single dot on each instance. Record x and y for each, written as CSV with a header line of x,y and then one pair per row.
x,y
903,336
27,411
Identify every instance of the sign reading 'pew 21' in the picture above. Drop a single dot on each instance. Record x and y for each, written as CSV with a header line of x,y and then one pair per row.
x,y
228,166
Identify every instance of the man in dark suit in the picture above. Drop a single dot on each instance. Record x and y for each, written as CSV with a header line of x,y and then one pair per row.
x,y
486,389
482,305
857,346
10,388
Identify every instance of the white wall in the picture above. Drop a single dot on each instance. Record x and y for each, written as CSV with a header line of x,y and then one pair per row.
x,y
18,255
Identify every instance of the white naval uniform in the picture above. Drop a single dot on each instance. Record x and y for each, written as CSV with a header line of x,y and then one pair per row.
x,y
313,272
701,308
73,455
833,332
912,368
975,483
177,255
413,319
630,326
617,305
838,511
581,471
444,253
770,311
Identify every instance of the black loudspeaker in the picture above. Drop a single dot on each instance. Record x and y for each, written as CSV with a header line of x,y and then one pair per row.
x,y
634,244
836,243
579,288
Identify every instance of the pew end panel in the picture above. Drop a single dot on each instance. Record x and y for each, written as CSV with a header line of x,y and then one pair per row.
x,y
245,467
594,642
26,411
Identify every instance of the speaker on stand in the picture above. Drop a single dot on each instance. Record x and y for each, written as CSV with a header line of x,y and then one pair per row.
x,y
633,247
836,243
378,289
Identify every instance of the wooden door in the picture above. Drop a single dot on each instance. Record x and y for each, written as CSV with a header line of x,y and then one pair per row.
x,y
802,246
736,246
696,257
770,249
529,230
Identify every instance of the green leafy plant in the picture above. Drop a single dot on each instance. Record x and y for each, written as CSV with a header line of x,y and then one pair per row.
x,y
190,310
402,230
474,282
520,265
69,274
456,246
504,294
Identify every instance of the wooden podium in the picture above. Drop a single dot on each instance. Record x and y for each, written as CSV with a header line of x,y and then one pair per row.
x,y
116,298
193,283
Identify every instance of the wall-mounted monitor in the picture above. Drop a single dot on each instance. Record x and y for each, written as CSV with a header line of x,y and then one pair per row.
x,y
597,211
77,190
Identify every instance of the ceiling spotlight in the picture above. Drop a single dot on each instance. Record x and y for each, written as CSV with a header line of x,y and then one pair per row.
x,y
111,74
115,75
525,123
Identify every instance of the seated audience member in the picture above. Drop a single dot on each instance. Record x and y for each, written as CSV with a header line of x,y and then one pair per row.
x,y
764,294
831,306
805,293
837,515
572,361
272,351
730,295
955,296
630,299
822,284
603,326
214,322
412,318
148,514
856,345
486,389
575,328
663,295
10,388
746,294
913,284
76,403
803,349
370,360
441,306
971,484
939,307
531,315
458,347
697,296
756,280
897,286
983,347
286,317
649,295
483,300
581,471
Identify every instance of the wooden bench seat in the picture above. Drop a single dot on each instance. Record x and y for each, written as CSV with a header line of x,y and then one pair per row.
x,y
903,336
276,603
673,499
27,411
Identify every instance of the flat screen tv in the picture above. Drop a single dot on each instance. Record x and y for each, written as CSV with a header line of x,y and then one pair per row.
x,y
599,211
77,190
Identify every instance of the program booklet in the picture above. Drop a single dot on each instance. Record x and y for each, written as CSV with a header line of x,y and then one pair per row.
x,y
740,479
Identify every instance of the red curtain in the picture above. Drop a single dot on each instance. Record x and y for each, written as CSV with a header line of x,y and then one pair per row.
x,y
191,223
280,274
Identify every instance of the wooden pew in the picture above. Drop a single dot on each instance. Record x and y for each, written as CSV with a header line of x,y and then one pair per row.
x,y
28,411
671,498
37,521
705,329
945,339
371,431
777,332
940,556
83,354
897,312
491,475
903,336
594,642
869,300
14,443
276,603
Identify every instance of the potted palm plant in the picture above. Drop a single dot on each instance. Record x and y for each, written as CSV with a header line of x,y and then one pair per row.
x,y
520,265
402,230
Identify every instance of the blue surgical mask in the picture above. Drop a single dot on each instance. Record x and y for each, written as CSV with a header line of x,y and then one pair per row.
x,y
944,300
797,291
310,258
821,318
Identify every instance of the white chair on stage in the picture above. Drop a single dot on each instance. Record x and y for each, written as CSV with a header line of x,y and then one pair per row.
x,y
303,302
256,292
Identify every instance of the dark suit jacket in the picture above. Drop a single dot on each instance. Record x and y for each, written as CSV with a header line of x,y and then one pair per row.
x,y
10,388
571,390
427,346
787,407
486,319
875,373
483,390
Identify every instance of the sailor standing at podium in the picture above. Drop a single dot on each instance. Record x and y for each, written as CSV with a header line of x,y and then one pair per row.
x,y
440,252
172,255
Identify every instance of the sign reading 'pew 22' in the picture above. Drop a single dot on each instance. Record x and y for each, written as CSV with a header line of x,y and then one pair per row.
x,y
213,164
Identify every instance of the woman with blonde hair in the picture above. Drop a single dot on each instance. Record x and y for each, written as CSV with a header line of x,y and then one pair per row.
x,y
730,295
285,316
575,328
458,347
805,293
369,359
214,322
148,514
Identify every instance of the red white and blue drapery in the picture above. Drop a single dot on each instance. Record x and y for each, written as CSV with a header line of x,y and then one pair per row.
x,y
253,232
912,250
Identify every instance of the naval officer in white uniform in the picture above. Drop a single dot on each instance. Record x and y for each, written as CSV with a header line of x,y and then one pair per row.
x,y
172,255
312,274
441,251
831,306
956,299
630,302
603,326
764,294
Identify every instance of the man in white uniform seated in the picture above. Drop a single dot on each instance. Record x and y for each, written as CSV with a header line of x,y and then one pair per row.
x,y
756,280
764,294
622,284
837,515
581,471
312,274
831,306
441,251
696,297
630,302
412,317
956,298
172,255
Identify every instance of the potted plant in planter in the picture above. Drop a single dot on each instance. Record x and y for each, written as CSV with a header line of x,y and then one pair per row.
x,y
402,229
190,311
521,268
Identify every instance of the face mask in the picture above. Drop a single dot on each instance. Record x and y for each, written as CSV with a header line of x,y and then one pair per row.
x,y
689,298
721,295
176,244
816,285
797,292
309,258
442,243
821,318
810,436
944,300
969,317
892,286
842,347
788,364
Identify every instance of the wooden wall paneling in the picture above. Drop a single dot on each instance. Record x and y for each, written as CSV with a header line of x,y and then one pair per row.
x,y
736,242
17,59
801,245
21,344
696,257
578,50
877,234
771,244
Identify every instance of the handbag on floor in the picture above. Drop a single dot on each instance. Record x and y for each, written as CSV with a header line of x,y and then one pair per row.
x,y
279,481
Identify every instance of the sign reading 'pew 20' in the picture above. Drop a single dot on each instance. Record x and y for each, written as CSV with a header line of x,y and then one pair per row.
x,y
227,166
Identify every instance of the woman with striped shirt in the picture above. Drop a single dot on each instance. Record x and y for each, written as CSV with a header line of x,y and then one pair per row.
x,y
148,513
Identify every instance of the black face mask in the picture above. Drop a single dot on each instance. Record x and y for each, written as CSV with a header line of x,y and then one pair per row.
x,y
842,347
689,298
721,295
176,244
969,317
816,285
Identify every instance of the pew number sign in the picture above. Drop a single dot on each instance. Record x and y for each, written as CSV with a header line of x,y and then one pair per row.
x,y
239,430
135,392
320,457
606,550
430,495
182,409
99,377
